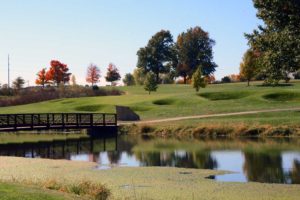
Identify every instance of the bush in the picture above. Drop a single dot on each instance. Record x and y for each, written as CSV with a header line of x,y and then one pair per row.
x,y
226,79
37,94
95,87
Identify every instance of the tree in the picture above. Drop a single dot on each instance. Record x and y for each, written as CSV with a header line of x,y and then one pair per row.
x,y
198,80
41,78
129,80
157,56
226,79
58,73
297,75
249,66
139,76
210,79
93,74
112,74
194,50
18,83
278,41
235,77
150,84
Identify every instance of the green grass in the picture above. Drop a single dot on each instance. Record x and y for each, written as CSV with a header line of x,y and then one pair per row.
x,y
6,138
180,100
20,192
215,96
283,96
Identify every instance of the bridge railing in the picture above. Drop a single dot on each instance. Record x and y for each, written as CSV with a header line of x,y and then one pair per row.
x,y
57,120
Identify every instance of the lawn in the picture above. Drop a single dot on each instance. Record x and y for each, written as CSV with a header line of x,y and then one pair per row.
x,y
20,192
182,100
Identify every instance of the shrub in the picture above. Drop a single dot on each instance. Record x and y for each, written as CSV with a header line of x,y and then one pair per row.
x,y
226,79
95,87
33,95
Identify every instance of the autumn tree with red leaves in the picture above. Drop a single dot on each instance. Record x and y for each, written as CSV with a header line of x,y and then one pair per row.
x,y
58,73
93,74
41,78
112,74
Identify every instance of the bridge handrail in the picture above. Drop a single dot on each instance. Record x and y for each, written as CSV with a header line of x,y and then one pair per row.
x,y
62,120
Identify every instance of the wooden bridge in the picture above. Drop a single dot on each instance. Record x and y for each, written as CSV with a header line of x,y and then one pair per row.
x,y
47,121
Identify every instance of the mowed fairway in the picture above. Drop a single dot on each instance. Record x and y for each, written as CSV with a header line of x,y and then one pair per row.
x,y
182,100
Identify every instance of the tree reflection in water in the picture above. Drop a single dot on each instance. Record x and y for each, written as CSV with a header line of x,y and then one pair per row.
x,y
182,159
264,167
114,157
295,173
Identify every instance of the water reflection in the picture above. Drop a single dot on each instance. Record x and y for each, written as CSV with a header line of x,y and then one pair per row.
x,y
267,161
264,167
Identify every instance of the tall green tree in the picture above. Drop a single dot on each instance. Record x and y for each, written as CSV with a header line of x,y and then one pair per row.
x,y
198,80
150,84
129,79
278,40
157,56
194,50
249,66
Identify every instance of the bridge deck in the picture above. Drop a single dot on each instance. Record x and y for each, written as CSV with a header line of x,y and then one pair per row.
x,y
44,121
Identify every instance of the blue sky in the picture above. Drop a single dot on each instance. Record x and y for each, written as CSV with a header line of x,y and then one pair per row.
x,y
78,32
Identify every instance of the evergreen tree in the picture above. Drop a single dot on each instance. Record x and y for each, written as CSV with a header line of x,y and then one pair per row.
x,y
198,80
150,84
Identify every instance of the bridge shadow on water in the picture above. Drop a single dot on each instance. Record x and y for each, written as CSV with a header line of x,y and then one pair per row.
x,y
61,149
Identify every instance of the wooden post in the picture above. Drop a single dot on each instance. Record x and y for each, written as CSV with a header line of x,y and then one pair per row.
x,y
77,121
32,121
91,120
48,121
15,121
104,122
39,119
116,119
63,120
7,120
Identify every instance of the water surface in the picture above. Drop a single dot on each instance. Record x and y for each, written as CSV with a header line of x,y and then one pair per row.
x,y
255,160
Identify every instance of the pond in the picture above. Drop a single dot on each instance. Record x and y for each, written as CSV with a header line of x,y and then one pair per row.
x,y
250,160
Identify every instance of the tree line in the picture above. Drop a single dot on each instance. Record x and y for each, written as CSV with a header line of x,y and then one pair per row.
x,y
163,59
58,74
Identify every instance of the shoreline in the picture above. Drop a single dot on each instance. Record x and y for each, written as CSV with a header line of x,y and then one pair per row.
x,y
229,130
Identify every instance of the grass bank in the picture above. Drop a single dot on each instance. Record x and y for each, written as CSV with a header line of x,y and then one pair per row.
x,y
214,129
144,183
12,191
177,100
27,137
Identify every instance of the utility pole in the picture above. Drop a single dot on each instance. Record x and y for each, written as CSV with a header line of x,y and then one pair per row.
x,y
8,77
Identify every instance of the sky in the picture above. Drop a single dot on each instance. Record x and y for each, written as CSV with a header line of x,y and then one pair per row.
x,y
80,32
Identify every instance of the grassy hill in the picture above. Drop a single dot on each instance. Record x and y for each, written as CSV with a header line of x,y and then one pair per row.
x,y
182,100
